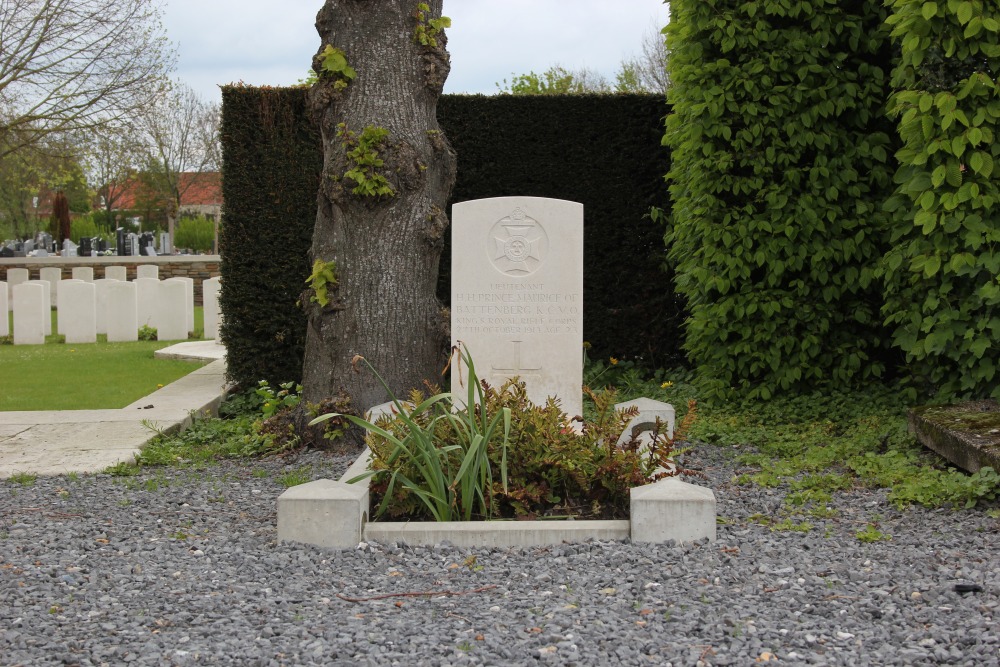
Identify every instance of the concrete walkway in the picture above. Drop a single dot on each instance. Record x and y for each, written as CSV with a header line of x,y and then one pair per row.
x,y
59,442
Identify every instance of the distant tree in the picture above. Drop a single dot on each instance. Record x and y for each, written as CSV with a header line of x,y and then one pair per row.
x,y
37,171
182,134
644,74
556,80
112,158
70,66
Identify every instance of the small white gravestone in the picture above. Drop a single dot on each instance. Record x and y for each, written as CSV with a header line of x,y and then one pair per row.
x,y
210,301
78,314
14,277
517,293
4,301
122,322
47,300
101,284
147,271
170,318
30,313
84,273
189,286
147,294
115,272
53,275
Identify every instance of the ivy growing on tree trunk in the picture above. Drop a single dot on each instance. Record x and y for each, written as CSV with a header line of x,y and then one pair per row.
x,y
387,174
780,164
942,276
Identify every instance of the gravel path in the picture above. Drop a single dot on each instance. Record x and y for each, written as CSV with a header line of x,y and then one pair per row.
x,y
180,567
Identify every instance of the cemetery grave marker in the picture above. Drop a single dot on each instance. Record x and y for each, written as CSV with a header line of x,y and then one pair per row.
x,y
115,272
169,318
517,293
210,305
147,271
101,285
4,323
147,294
47,301
14,277
30,313
78,314
122,318
53,275
85,273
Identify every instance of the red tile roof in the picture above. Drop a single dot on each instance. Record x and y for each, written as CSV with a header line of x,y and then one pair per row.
x,y
197,189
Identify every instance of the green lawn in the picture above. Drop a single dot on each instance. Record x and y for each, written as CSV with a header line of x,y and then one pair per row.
x,y
101,375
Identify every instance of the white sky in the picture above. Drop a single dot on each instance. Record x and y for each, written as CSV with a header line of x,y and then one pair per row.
x,y
269,42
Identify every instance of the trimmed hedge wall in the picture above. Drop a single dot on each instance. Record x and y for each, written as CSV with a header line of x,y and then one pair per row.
x,y
271,164
602,151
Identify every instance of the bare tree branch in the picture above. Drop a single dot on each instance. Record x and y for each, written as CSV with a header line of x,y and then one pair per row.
x,y
69,66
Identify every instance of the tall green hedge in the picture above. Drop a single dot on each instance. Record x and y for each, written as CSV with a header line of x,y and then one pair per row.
x,y
781,159
942,277
603,151
271,166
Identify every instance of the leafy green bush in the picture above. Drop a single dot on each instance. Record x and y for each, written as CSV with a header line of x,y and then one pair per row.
x,y
942,290
285,398
779,168
82,227
195,234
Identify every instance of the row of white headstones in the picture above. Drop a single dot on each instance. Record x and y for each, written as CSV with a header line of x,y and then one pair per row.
x,y
111,305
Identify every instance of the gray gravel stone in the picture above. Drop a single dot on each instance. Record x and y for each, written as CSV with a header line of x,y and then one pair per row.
x,y
181,567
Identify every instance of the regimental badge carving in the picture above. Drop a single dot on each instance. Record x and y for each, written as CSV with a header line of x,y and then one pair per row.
x,y
517,244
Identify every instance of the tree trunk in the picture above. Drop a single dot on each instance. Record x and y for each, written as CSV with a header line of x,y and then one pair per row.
x,y
386,247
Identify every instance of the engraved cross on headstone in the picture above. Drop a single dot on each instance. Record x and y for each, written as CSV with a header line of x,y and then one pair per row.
x,y
517,368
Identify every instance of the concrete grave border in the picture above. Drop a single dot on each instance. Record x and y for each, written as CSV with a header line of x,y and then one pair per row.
x,y
334,514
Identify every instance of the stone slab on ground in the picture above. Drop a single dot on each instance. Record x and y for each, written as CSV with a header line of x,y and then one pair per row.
x,y
196,350
967,434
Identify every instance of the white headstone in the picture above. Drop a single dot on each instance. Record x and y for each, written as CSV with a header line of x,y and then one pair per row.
x,y
147,271
101,284
14,277
121,320
78,315
84,273
166,248
53,275
4,309
47,300
115,272
210,306
171,319
189,286
517,293
147,300
30,313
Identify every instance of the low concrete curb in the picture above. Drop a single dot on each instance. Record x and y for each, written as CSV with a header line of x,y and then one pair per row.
x,y
87,441
334,514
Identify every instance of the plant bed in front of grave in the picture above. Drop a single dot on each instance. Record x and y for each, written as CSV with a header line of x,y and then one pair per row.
x,y
496,455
